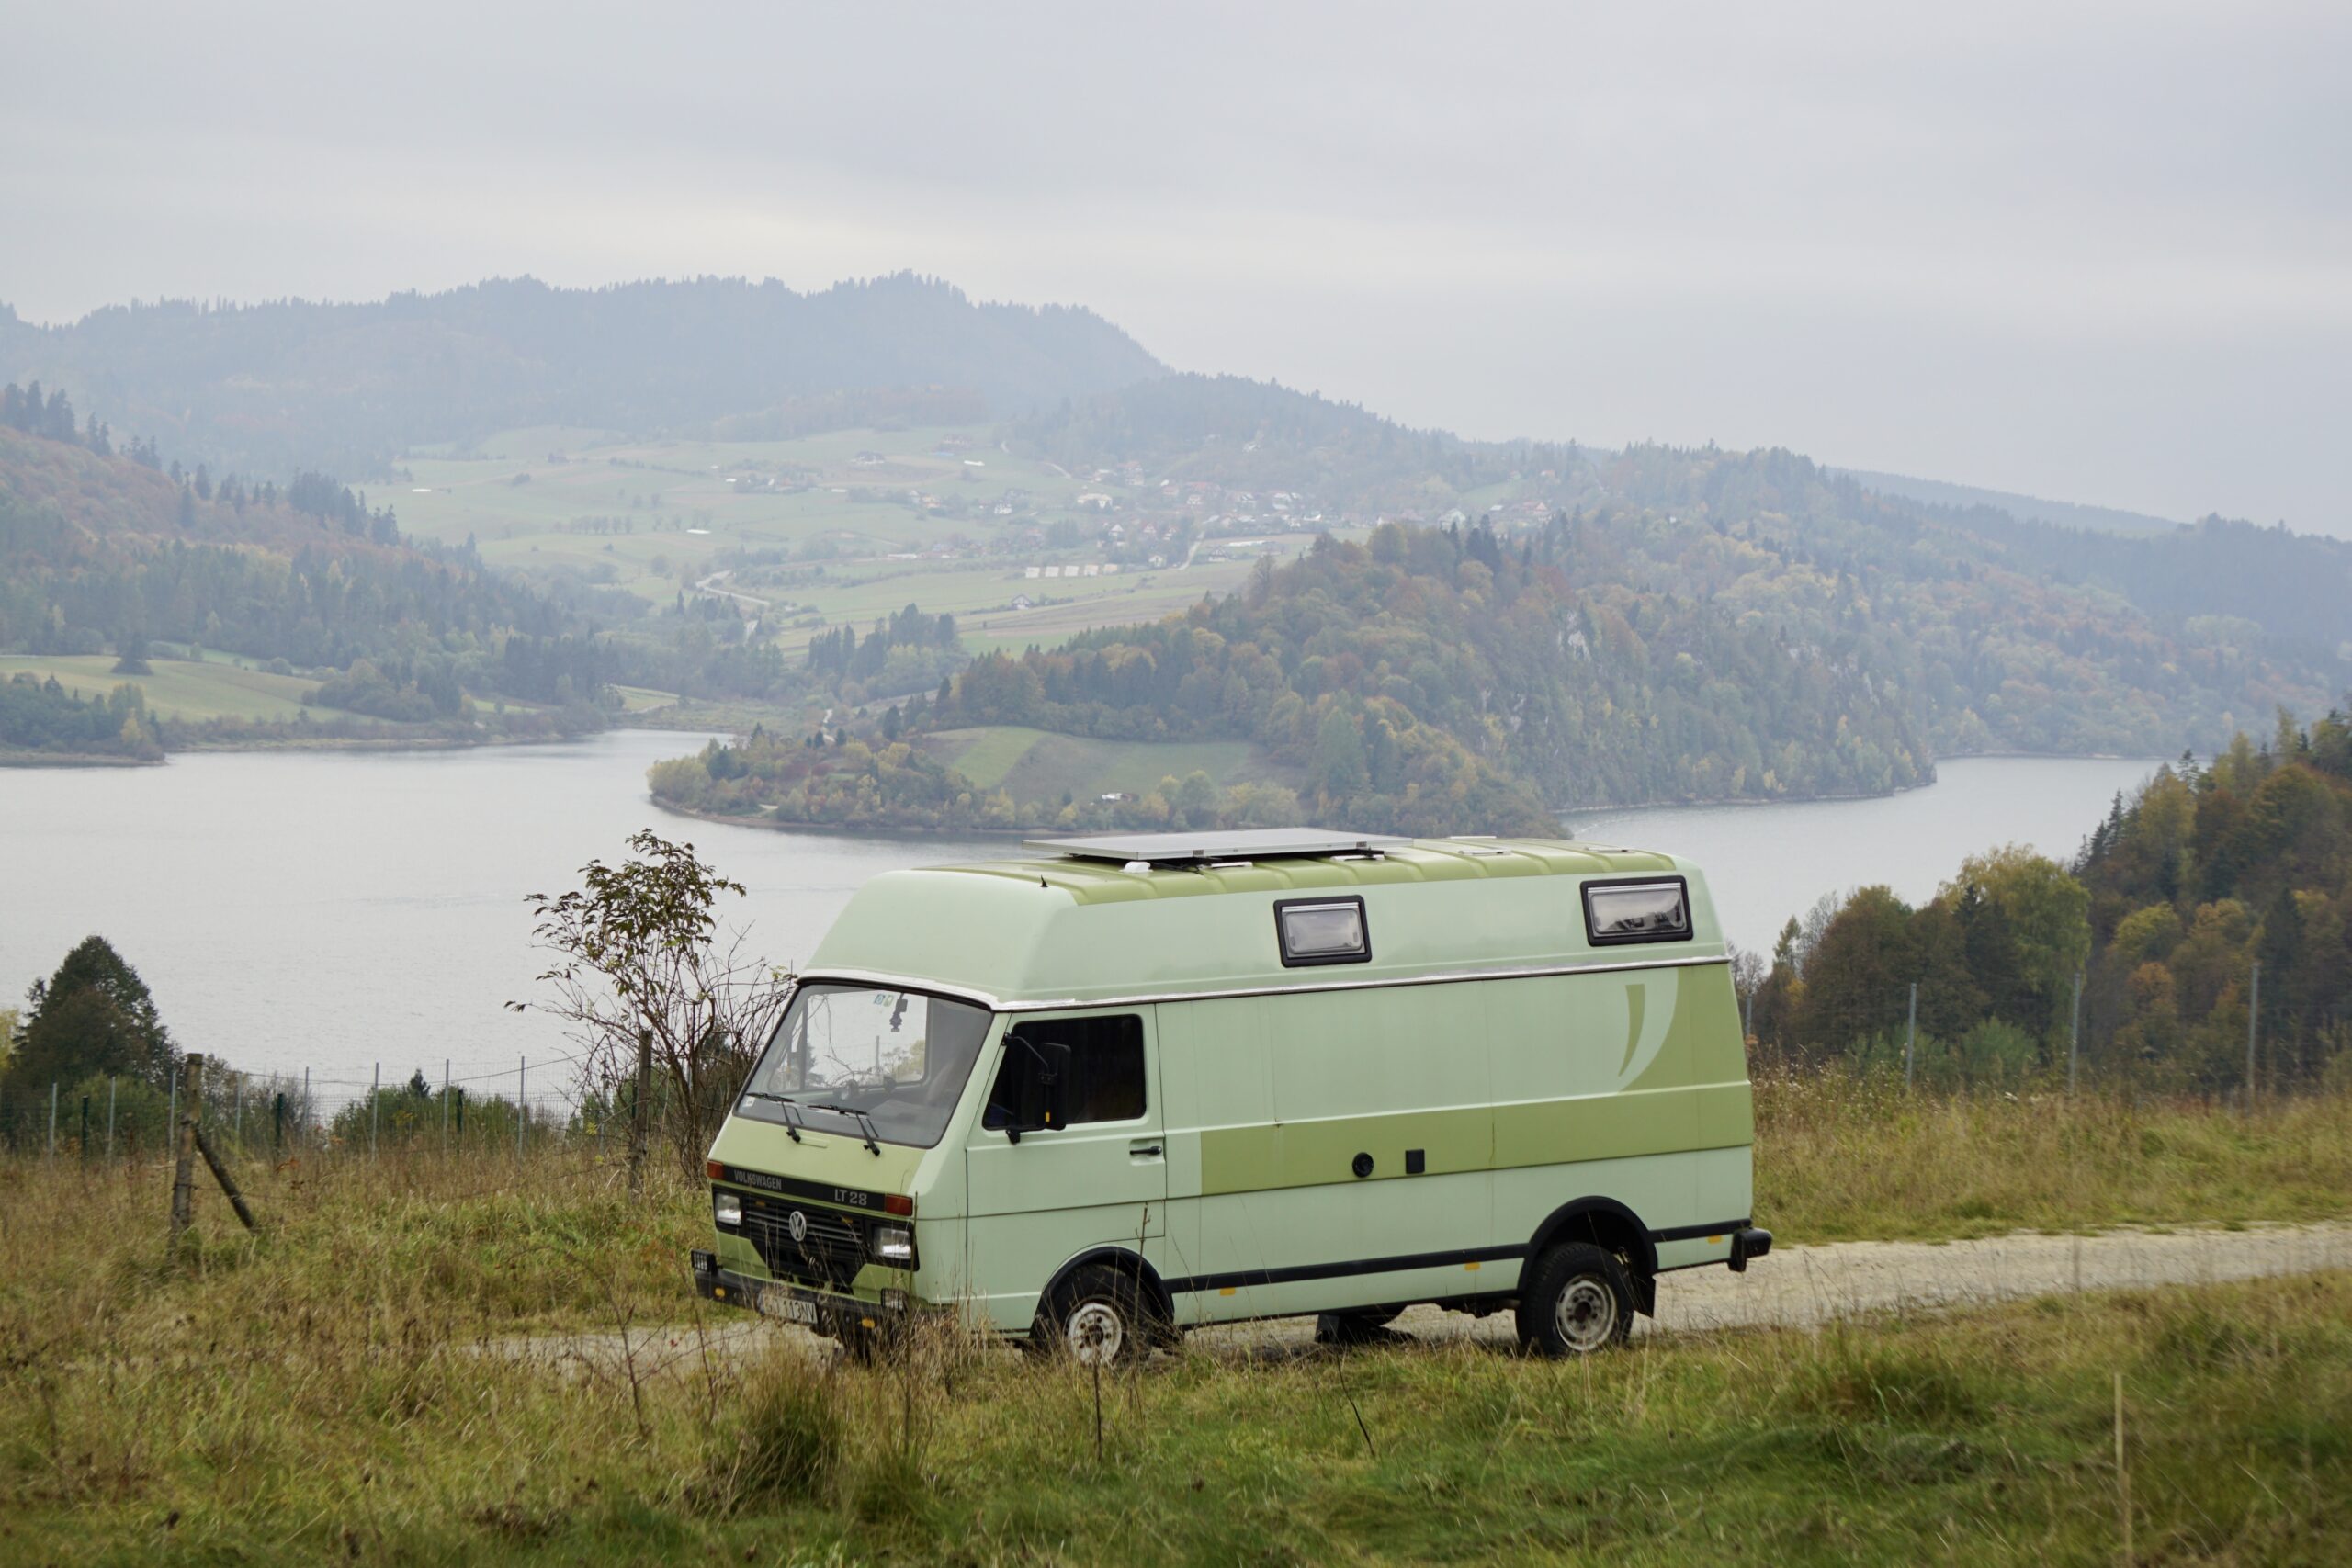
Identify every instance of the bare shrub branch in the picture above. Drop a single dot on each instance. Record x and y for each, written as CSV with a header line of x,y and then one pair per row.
x,y
640,951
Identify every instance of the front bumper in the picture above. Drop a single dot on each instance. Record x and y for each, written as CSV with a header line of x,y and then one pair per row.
x,y
786,1302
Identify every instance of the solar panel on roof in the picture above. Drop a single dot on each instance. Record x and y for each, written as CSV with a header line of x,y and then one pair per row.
x,y
1232,843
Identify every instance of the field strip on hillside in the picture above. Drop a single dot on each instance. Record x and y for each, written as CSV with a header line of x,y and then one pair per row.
x,y
1794,1287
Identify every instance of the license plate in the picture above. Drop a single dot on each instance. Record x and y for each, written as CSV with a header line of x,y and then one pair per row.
x,y
791,1308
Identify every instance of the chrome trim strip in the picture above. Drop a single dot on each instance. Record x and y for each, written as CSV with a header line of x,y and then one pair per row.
x,y
1144,999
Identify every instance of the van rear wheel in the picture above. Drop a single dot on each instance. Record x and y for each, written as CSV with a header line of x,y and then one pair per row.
x,y
1096,1318
1576,1300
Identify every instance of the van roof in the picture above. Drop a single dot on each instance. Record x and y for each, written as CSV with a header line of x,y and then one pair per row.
x,y
1171,865
1074,929
1235,843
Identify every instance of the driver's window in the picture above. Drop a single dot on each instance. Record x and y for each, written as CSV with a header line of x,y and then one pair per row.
x,y
1106,1068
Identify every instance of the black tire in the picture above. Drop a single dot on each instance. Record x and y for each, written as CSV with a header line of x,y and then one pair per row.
x,y
1098,1314
1574,1301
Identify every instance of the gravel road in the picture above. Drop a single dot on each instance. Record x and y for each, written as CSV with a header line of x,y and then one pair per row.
x,y
1794,1287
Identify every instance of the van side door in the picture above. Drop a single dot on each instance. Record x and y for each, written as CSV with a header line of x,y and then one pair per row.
x,y
1037,1195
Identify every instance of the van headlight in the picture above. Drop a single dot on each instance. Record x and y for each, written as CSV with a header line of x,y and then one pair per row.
x,y
727,1208
894,1244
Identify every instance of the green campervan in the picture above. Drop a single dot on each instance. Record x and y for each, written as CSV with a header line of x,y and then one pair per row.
x,y
1138,1084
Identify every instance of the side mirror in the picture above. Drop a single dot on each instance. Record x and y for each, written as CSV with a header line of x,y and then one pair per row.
x,y
1034,1087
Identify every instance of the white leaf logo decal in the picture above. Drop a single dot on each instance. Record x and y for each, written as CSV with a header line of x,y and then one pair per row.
x,y
1648,1005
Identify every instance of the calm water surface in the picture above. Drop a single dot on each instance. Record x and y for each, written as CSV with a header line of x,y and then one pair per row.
x,y
331,910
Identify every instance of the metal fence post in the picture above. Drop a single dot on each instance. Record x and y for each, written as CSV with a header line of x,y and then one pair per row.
x,y
85,1129
110,1118
522,1071
52,1118
1911,1034
2074,1035
278,1126
445,1105
375,1105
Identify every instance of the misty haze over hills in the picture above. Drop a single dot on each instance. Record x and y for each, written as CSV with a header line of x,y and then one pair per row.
x,y
292,383
276,386
2025,508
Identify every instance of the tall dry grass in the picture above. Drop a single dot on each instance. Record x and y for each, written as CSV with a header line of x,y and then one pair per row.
x,y
1846,1157
471,1359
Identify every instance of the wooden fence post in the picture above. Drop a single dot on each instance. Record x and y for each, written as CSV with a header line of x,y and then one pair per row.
x,y
183,1171
220,1174
638,1113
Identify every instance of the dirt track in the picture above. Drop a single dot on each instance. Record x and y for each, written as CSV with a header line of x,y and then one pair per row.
x,y
1796,1287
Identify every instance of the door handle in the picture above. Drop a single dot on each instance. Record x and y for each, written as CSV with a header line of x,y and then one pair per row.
x,y
1144,1150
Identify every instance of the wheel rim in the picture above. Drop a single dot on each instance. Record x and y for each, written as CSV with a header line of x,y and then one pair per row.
x,y
1095,1333
1586,1313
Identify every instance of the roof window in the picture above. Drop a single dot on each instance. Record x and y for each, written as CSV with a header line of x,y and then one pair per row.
x,y
1322,931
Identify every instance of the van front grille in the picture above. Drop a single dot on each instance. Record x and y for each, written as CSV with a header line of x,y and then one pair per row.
x,y
830,1251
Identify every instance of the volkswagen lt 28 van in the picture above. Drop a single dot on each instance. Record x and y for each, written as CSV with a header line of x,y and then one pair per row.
x,y
1137,1084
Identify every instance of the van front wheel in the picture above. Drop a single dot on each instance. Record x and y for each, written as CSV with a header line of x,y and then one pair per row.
x,y
1576,1300
1095,1318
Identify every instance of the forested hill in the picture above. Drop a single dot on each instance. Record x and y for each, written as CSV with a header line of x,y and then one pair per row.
x,y
2212,584
1240,434
2206,875
1386,670
2024,508
272,387
103,554
1758,592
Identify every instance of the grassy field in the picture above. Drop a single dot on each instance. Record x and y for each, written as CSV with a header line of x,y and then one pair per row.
x,y
179,689
348,1386
1840,1160
654,517
1035,764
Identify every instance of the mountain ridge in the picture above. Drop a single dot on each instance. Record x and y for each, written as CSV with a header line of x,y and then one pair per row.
x,y
351,386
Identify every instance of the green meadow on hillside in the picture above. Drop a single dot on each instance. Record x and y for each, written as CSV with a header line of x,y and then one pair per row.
x,y
1035,764
178,688
837,520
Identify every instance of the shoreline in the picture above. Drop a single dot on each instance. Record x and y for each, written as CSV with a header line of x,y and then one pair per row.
x,y
1744,801
75,760
840,830
386,743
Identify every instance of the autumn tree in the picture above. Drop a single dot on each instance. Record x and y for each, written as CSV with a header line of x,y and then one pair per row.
x,y
639,955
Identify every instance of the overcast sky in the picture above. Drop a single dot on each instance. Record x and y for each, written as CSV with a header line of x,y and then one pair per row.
x,y
2100,254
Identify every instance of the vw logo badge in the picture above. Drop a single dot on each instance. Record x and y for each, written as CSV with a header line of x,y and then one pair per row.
x,y
797,1225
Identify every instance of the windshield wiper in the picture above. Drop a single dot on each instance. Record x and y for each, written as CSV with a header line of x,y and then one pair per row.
x,y
791,1109
864,1125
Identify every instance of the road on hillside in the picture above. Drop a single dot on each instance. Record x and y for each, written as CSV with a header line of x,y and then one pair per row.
x,y
1796,1287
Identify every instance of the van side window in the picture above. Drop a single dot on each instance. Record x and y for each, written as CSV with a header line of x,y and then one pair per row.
x,y
1637,911
1105,1068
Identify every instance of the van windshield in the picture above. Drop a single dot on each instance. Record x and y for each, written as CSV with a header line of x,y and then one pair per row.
x,y
851,1059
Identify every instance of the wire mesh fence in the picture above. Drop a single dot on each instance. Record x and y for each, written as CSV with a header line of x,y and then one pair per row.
x,y
2077,1037
523,1106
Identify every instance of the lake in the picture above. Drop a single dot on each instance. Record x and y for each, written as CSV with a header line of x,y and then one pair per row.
x,y
1767,862
331,910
